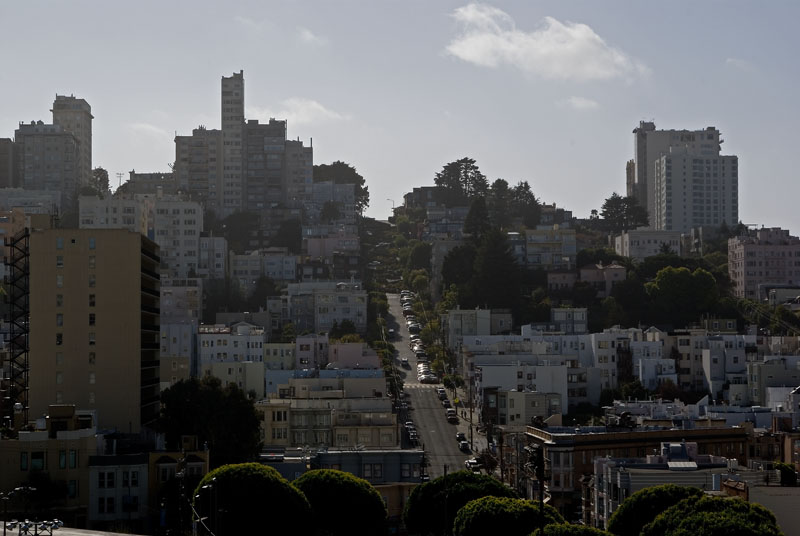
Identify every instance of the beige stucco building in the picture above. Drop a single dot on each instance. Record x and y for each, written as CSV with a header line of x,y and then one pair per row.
x,y
94,325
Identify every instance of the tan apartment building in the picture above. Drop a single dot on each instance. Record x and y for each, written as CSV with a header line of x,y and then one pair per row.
x,y
94,325
74,115
763,259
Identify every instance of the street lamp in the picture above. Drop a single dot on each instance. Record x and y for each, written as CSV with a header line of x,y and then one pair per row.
x,y
392,200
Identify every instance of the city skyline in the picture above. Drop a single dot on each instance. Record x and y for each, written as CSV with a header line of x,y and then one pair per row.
x,y
547,93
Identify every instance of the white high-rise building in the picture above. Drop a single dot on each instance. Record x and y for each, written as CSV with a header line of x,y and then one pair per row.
x,y
693,156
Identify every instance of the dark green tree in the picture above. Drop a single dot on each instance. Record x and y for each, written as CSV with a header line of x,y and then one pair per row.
x,y
338,499
233,500
99,182
221,295
457,269
224,418
681,295
517,517
499,204
263,289
343,173
330,212
462,180
643,506
497,275
289,235
432,506
622,214
419,257
237,229
477,222
714,516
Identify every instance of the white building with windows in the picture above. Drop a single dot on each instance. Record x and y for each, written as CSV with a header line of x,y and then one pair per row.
x,y
239,342
112,213
118,488
213,258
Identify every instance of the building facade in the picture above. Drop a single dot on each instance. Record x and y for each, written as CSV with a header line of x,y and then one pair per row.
x,y
94,309
761,260
74,115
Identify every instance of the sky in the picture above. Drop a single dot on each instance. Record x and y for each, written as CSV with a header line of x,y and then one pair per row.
x,y
542,91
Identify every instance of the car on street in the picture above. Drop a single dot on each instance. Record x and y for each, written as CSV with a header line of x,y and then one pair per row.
x,y
463,446
446,403
390,333
404,362
473,465
461,436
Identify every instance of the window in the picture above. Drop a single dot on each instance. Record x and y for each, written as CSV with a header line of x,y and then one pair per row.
x,y
91,243
91,300
92,262
59,242
125,479
73,458
134,479
59,378
91,397
62,459
59,339
110,508
92,378
91,319
59,280
59,358
23,461
59,300
92,358
110,479
91,339
59,320
37,461
92,280
59,261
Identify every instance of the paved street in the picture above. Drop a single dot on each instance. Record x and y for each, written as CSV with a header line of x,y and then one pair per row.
x,y
426,410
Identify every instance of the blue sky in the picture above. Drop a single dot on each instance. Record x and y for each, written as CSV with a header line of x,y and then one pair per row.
x,y
544,91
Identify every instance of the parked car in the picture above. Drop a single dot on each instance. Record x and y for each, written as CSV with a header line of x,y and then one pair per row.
x,y
473,465
461,436
446,403
404,362
463,446
390,333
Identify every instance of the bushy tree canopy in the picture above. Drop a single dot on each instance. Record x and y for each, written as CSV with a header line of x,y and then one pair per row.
x,y
342,504
430,502
622,214
643,506
517,517
461,180
241,498
343,173
222,417
714,516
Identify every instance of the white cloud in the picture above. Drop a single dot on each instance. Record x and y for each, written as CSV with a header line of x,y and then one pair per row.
x,y
742,65
580,103
310,38
556,50
151,131
252,24
298,111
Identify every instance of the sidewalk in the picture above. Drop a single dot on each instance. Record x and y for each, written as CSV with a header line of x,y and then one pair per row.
x,y
478,441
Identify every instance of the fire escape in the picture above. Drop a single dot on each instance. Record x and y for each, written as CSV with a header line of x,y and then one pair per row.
x,y
15,399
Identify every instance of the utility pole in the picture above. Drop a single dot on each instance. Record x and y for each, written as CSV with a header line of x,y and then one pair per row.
x,y
540,480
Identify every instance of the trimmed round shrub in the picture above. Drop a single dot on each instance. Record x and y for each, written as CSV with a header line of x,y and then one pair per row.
x,y
432,506
242,497
343,504
714,516
570,530
516,517
643,506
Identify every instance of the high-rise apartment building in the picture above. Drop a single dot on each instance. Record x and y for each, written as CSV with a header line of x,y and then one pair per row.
x,y
112,213
199,167
7,174
94,325
763,259
176,228
233,137
47,158
669,205
74,115
694,190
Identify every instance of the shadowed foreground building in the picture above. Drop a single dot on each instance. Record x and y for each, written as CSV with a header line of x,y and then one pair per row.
x,y
94,325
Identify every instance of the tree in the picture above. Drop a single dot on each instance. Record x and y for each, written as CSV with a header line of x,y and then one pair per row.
x,y
622,214
343,173
499,204
233,500
236,229
497,276
457,271
681,295
643,506
476,224
420,256
566,529
713,516
99,181
342,504
432,506
221,295
517,517
263,289
224,418
462,180
289,235
525,205
330,212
